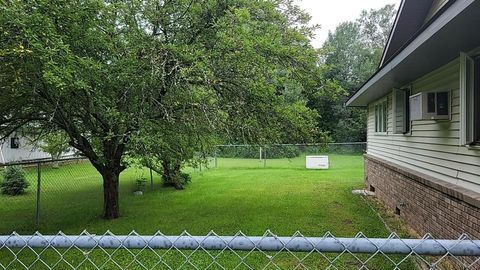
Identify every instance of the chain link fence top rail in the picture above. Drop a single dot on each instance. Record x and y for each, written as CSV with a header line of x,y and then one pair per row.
x,y
185,251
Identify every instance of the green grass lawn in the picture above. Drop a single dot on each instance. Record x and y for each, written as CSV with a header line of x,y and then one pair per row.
x,y
238,195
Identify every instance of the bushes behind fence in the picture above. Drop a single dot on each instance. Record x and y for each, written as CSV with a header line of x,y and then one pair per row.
x,y
14,181
288,151
270,152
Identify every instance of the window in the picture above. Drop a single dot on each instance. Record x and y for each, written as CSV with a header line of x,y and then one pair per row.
x,y
14,143
470,100
402,111
431,103
442,103
381,116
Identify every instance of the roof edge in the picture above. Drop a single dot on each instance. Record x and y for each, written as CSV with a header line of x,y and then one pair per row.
x,y
390,35
396,54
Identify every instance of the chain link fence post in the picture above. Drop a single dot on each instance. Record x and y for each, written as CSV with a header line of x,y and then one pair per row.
x,y
151,179
39,180
264,157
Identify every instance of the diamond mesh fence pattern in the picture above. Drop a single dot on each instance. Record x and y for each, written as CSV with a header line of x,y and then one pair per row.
x,y
184,251
54,186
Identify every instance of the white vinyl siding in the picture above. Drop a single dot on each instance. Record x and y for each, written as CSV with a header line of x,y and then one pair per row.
x,y
432,147
25,151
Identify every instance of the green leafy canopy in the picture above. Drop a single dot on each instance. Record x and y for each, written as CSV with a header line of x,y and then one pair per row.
x,y
112,74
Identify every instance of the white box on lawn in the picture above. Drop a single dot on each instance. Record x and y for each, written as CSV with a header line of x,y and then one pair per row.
x,y
317,162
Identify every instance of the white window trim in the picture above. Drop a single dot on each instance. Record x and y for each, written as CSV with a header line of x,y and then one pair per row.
x,y
473,147
463,98
394,113
394,110
379,102
464,59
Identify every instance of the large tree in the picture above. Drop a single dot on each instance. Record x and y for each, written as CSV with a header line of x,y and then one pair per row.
x,y
173,142
101,71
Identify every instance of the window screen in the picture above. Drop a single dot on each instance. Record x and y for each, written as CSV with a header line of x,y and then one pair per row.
x,y
381,117
442,103
431,102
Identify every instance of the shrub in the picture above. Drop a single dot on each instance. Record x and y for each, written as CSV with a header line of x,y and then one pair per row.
x,y
178,180
14,181
186,178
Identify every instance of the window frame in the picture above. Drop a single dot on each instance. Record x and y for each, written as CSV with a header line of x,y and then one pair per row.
x,y
476,102
14,142
470,99
407,123
381,116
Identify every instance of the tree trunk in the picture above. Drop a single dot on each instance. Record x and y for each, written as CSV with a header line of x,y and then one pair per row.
x,y
171,174
111,208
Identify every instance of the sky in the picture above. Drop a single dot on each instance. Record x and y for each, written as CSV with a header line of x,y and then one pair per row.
x,y
329,13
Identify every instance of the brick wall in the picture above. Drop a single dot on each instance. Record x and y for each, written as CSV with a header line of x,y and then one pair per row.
x,y
427,204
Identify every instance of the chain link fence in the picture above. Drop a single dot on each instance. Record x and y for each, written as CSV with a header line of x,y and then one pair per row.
x,y
58,190
48,187
185,251
278,155
62,189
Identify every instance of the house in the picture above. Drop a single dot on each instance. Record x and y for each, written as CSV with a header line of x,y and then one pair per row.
x,y
423,146
16,149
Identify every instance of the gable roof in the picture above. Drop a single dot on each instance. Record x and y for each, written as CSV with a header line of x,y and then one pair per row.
x,y
410,17
439,40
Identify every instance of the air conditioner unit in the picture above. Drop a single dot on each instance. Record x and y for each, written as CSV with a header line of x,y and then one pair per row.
x,y
430,106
